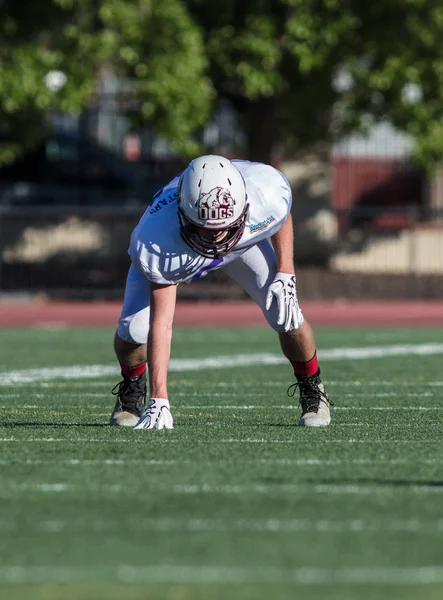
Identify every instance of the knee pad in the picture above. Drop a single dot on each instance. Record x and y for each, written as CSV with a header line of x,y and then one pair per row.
x,y
134,328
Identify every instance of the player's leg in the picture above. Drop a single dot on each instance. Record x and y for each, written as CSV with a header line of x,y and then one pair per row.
x,y
130,348
255,270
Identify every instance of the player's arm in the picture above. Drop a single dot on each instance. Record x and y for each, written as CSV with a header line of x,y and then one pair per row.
x,y
283,287
283,244
163,299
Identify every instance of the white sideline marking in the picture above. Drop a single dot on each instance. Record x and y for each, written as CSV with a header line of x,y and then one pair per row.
x,y
351,461
270,525
266,461
293,406
265,489
157,439
218,362
288,488
180,409
41,487
51,488
216,574
369,490
73,396
270,407
92,461
225,384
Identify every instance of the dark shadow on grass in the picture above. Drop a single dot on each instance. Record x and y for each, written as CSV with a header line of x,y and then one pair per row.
x,y
403,483
49,424
295,424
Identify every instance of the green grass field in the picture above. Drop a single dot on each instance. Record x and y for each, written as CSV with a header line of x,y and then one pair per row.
x,y
237,502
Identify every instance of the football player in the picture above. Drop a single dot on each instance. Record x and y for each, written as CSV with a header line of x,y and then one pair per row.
x,y
217,214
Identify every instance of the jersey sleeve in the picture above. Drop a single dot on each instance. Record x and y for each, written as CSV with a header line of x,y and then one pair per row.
x,y
270,201
153,242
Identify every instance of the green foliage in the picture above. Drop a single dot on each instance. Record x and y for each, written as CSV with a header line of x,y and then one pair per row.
x,y
35,40
155,43
160,46
278,61
293,51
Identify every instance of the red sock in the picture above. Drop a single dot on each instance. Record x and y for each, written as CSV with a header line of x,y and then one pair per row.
x,y
133,371
306,369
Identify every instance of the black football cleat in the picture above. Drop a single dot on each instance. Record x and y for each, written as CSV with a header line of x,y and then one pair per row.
x,y
314,401
131,400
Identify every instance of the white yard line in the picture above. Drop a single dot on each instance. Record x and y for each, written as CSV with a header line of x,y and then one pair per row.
x,y
230,575
157,439
292,406
102,462
345,383
218,362
270,525
180,407
76,462
262,489
329,441
61,487
89,383
293,489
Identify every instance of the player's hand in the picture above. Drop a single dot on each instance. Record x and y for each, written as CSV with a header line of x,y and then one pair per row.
x,y
156,416
284,291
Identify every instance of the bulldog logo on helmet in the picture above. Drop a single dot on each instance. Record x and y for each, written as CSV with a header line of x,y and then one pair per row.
x,y
216,205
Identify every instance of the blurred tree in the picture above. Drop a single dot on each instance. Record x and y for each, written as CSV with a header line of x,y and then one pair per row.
x,y
296,70
285,64
51,52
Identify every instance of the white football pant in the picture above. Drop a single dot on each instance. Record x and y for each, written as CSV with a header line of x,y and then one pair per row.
x,y
254,271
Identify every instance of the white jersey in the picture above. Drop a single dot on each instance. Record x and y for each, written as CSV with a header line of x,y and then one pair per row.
x,y
159,252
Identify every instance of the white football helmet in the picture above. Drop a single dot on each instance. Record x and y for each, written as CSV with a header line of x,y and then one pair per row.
x,y
212,205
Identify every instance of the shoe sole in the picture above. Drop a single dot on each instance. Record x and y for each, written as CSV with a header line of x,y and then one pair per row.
x,y
124,420
313,423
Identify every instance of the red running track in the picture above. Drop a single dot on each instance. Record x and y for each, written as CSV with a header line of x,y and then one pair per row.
x,y
229,313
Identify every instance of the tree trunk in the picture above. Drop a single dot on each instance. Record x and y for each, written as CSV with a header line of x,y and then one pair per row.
x,y
260,130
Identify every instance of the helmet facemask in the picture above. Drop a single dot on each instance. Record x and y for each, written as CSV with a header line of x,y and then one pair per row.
x,y
204,240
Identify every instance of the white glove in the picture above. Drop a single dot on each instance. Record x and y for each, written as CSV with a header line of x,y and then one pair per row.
x,y
283,289
156,416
